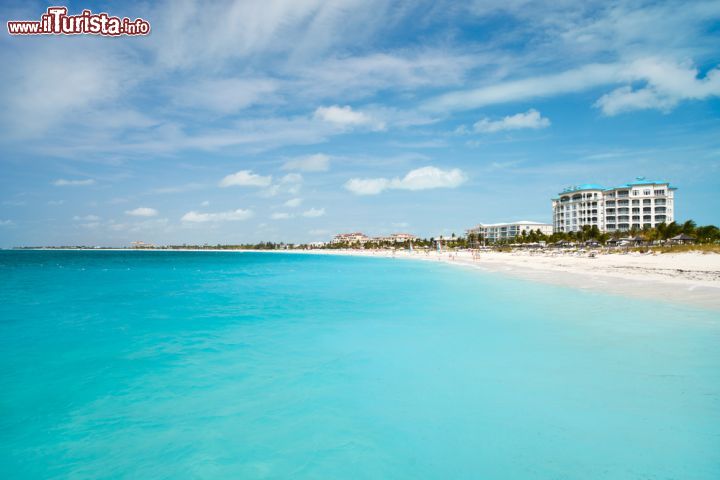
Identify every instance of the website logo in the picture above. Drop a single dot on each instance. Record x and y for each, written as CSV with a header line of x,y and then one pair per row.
x,y
56,21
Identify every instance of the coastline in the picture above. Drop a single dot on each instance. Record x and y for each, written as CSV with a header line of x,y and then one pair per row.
x,y
691,278
687,278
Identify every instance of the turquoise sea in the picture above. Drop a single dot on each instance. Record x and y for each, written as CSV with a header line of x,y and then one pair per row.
x,y
172,365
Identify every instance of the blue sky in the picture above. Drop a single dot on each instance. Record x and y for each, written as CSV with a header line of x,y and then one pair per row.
x,y
293,120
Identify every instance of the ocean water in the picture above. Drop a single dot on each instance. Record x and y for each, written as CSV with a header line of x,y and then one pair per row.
x,y
254,365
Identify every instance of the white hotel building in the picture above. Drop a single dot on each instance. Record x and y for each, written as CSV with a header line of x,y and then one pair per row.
x,y
636,204
497,232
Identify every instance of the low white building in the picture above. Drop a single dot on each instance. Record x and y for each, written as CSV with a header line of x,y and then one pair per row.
x,y
351,238
317,244
398,238
497,232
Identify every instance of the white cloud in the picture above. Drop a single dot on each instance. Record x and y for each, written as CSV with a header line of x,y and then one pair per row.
x,y
367,186
74,82
6,223
424,178
667,84
293,203
290,184
116,227
142,212
245,178
226,95
205,203
314,212
207,35
280,216
318,162
291,178
430,177
86,218
177,188
61,182
55,202
530,119
347,117
232,215
574,80
360,76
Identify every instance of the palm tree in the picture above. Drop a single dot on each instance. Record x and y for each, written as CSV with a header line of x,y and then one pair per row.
x,y
688,228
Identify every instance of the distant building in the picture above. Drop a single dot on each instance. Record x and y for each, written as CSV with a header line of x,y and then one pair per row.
x,y
496,232
637,204
398,238
350,238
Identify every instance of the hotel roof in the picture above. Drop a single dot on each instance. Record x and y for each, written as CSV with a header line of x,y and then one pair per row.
x,y
636,182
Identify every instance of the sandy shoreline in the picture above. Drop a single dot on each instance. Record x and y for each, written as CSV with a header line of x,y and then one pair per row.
x,y
689,278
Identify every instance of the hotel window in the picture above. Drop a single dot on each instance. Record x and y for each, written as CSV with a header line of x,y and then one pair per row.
x,y
636,210
636,202
659,192
636,193
647,201
646,192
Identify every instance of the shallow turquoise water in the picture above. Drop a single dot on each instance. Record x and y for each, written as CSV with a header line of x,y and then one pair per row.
x,y
236,365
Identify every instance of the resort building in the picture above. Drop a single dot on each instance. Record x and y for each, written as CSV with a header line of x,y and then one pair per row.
x,y
497,232
637,204
350,238
398,238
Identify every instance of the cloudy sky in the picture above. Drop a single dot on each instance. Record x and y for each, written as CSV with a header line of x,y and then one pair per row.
x,y
292,120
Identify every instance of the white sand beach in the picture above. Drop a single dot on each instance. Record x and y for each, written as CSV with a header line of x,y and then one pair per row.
x,y
689,278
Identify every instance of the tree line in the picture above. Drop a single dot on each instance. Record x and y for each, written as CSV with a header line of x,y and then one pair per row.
x,y
662,232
